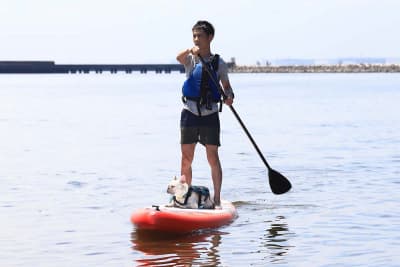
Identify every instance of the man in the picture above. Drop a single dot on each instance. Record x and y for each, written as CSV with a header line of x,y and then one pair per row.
x,y
201,96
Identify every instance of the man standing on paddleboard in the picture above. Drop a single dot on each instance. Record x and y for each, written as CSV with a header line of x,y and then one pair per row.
x,y
201,99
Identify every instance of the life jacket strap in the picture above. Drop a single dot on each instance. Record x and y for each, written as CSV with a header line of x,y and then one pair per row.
x,y
199,103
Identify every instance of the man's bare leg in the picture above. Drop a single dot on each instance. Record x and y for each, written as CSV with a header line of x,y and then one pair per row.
x,y
186,162
216,171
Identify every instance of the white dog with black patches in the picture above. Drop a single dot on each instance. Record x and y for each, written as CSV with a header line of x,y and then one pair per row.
x,y
188,197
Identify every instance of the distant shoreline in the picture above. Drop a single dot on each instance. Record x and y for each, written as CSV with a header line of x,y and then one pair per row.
x,y
43,67
351,68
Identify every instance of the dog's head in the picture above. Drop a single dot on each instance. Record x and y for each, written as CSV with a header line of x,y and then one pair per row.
x,y
178,187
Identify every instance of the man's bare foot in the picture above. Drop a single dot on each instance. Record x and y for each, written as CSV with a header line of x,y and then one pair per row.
x,y
218,207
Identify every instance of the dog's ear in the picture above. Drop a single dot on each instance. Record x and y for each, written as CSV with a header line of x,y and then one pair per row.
x,y
183,179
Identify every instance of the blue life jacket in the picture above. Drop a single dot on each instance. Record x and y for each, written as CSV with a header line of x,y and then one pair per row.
x,y
200,87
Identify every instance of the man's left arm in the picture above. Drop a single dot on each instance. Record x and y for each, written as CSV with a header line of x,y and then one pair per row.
x,y
226,85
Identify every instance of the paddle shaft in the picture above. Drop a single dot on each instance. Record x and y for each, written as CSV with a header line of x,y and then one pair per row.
x,y
235,113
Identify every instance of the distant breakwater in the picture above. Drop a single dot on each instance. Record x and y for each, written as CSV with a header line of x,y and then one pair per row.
x,y
351,68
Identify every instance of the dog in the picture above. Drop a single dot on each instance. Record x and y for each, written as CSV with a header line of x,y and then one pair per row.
x,y
188,197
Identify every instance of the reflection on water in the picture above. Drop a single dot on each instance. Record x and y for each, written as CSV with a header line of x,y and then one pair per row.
x,y
276,239
161,249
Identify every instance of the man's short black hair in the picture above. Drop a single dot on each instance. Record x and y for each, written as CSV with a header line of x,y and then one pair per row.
x,y
204,25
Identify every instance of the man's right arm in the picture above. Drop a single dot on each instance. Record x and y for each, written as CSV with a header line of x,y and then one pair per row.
x,y
182,56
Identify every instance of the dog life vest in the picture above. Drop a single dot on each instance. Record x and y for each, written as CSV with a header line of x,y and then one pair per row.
x,y
200,87
201,190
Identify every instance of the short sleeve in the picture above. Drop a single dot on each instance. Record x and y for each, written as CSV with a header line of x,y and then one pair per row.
x,y
223,70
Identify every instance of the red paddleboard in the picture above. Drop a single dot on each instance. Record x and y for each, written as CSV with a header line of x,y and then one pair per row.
x,y
177,220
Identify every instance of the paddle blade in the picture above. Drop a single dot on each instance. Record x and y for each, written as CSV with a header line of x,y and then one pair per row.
x,y
278,183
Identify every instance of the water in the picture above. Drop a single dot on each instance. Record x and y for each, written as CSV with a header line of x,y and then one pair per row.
x,y
79,153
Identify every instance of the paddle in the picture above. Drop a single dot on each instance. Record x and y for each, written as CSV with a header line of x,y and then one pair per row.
x,y
279,184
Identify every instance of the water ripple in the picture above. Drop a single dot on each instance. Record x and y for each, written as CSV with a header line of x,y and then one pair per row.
x,y
77,184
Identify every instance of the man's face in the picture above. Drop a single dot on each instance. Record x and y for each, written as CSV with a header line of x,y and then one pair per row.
x,y
201,39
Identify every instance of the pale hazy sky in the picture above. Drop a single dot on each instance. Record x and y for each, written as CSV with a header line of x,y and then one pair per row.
x,y
153,31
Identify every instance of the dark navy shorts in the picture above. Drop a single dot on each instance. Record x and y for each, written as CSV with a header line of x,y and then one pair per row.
x,y
203,129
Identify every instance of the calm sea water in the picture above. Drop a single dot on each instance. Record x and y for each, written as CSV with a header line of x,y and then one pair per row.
x,y
79,153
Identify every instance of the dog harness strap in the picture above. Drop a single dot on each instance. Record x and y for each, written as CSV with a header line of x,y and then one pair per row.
x,y
186,197
177,201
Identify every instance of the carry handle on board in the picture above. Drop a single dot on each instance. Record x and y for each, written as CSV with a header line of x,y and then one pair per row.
x,y
279,184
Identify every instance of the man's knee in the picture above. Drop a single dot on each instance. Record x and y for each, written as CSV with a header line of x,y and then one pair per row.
x,y
187,154
186,161
212,155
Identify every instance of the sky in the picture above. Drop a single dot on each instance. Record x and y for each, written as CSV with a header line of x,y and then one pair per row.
x,y
154,31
